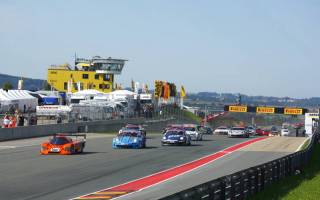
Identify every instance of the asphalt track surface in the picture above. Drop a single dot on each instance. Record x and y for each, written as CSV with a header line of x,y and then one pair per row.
x,y
25,174
252,155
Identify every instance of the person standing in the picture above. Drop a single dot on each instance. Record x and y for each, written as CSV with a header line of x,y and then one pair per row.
x,y
6,121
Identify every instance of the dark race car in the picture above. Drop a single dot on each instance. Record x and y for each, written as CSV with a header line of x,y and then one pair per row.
x,y
176,137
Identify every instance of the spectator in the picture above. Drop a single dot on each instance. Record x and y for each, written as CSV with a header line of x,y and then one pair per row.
x,y
20,120
6,121
13,122
59,119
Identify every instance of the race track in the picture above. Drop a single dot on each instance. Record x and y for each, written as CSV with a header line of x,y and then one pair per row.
x,y
25,174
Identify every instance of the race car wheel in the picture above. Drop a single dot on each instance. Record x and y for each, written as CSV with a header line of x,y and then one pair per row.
x,y
72,150
81,149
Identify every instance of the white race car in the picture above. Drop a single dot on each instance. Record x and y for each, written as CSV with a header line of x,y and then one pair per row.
x,y
191,129
222,130
238,132
285,132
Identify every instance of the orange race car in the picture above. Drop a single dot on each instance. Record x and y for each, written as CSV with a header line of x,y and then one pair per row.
x,y
64,144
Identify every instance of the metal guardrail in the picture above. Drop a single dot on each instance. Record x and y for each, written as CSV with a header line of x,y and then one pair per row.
x,y
250,181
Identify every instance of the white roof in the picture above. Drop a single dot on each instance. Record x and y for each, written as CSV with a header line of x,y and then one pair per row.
x,y
88,92
122,92
14,95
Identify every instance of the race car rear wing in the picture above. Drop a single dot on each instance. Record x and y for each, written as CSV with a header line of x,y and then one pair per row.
x,y
84,136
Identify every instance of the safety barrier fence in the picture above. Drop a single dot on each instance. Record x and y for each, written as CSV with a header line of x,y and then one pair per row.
x,y
248,182
92,127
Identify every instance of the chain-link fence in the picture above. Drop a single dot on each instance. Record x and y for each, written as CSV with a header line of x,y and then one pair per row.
x,y
89,113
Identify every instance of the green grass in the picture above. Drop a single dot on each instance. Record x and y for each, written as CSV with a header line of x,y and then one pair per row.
x,y
191,116
305,186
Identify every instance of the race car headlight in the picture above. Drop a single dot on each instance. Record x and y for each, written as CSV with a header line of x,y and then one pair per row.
x,y
181,138
135,140
164,137
117,140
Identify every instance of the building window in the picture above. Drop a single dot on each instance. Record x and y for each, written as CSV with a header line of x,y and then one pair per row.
x,y
65,85
96,76
85,76
104,86
106,77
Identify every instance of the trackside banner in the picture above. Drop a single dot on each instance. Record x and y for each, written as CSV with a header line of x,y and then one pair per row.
x,y
265,110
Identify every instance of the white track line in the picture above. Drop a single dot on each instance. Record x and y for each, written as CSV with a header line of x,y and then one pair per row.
x,y
300,146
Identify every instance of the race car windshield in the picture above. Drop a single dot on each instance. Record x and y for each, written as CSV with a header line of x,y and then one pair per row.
x,y
59,140
190,128
130,134
174,133
133,127
222,127
238,129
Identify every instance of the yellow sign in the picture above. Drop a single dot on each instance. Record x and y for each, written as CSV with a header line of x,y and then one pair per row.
x,y
293,111
238,108
267,110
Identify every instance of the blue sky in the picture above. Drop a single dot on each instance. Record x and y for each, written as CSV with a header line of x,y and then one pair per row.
x,y
252,47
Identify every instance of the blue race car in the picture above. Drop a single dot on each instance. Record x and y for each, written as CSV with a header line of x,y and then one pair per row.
x,y
129,138
176,136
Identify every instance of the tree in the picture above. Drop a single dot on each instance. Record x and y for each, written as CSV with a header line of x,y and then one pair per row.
x,y
7,86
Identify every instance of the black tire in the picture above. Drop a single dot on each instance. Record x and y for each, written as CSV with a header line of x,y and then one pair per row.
x,y
81,149
72,150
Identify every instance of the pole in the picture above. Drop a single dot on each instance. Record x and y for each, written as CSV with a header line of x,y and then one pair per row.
x,y
181,102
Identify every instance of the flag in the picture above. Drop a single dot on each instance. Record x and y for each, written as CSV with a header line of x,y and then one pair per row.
x,y
166,91
182,92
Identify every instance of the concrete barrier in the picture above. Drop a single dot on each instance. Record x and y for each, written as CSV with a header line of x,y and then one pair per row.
x,y
96,126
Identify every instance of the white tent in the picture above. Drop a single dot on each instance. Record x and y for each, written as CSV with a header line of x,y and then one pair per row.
x,y
121,94
115,95
84,95
17,99
87,92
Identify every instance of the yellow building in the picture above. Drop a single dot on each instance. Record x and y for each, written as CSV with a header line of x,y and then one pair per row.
x,y
96,73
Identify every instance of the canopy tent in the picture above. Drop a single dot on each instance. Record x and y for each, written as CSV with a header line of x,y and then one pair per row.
x,y
84,95
17,99
121,94
118,95
87,92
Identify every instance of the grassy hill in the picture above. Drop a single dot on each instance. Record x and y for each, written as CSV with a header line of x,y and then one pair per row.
x,y
28,83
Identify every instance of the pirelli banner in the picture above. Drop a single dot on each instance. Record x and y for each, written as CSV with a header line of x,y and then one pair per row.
x,y
265,109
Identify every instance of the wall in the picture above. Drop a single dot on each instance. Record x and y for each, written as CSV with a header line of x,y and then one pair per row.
x,y
97,126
